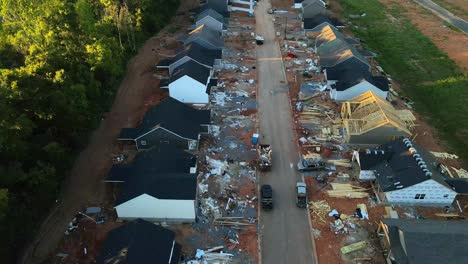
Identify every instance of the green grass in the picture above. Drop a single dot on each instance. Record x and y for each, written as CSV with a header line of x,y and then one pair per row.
x,y
433,81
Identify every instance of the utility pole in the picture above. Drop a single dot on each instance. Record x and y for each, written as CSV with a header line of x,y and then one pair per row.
x,y
285,27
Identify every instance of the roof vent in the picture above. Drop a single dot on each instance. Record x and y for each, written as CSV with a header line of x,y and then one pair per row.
x,y
399,186
406,141
428,174
396,183
383,152
368,151
416,156
423,166
409,145
420,163
413,150
418,160
425,171
375,152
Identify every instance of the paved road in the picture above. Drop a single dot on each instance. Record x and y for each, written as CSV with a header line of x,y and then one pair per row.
x,y
286,236
444,14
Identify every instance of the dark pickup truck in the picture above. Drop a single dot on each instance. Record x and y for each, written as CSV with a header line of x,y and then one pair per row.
x,y
266,197
301,194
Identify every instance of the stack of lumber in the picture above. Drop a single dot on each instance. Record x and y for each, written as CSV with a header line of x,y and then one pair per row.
x,y
346,190
341,162
444,155
320,208
462,173
353,247
312,156
232,221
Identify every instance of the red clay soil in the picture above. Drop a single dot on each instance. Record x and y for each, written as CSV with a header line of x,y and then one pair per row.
x,y
248,242
84,186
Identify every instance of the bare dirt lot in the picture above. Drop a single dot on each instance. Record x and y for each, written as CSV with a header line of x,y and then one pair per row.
x,y
450,41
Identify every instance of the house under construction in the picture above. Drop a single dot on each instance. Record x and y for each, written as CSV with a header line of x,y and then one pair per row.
x,y
369,119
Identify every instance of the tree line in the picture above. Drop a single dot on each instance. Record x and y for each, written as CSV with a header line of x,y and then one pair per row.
x,y
60,64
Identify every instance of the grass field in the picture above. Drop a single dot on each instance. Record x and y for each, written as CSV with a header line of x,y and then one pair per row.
x,y
426,75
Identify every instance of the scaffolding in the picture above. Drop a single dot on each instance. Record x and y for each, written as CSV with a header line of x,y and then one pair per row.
x,y
368,111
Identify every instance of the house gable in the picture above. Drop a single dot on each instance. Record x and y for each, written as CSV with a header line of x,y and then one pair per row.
x,y
188,90
211,23
426,192
153,209
356,90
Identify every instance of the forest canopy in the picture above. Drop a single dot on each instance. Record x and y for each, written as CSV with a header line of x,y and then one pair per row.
x,y
60,64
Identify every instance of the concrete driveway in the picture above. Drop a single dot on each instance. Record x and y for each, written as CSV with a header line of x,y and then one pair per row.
x,y
286,236
444,14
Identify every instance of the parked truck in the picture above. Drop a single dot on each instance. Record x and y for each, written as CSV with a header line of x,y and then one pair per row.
x,y
301,195
266,194
264,157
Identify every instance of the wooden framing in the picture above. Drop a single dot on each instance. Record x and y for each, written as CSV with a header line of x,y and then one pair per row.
x,y
366,112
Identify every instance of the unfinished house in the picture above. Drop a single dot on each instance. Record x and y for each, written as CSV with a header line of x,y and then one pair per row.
x,y
140,242
408,241
169,122
404,173
347,90
310,8
211,19
206,37
192,52
370,120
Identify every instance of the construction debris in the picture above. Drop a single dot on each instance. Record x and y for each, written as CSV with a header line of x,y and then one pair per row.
x,y
444,155
346,190
354,247
462,173
319,208
341,162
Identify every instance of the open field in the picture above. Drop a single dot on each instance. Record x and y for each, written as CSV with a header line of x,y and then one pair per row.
x,y
435,83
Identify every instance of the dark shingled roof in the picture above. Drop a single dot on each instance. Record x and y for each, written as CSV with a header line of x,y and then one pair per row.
x,y
140,242
207,34
174,116
192,69
428,241
458,185
396,168
174,186
310,23
196,52
347,72
165,159
378,81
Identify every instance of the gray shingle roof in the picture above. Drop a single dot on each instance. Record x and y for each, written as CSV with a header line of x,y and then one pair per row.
x,y
212,13
428,241
206,34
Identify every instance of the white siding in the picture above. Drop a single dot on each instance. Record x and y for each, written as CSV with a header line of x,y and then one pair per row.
x,y
366,175
210,23
435,193
188,90
157,210
356,90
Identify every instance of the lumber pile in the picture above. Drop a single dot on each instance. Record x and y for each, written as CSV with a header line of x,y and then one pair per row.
x,y
462,173
444,155
320,209
353,247
346,190
235,222
341,162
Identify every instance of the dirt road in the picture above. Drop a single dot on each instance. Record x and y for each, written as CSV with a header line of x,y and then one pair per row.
x,y
444,14
286,236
